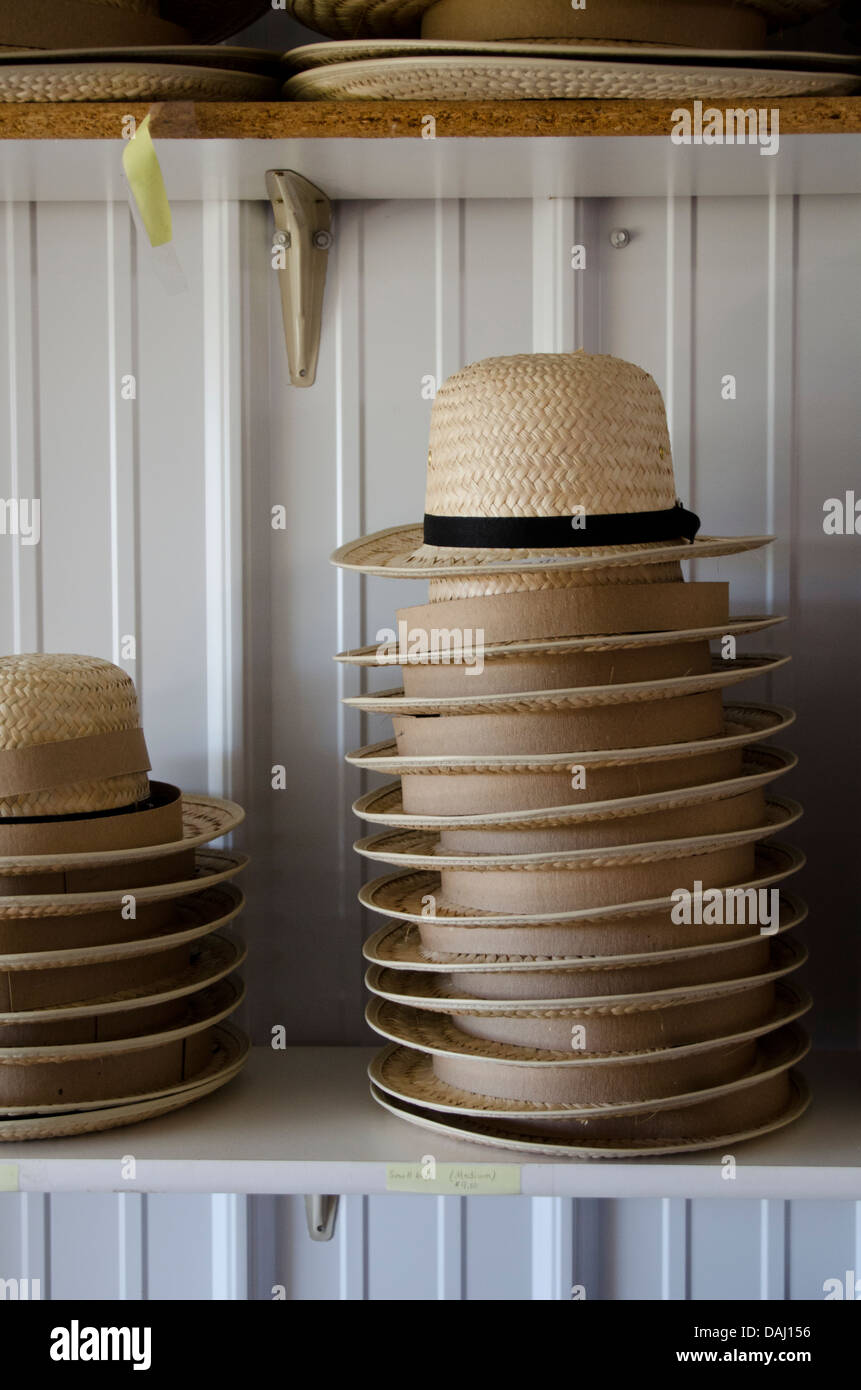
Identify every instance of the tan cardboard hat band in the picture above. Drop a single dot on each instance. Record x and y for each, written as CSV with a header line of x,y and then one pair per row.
x,y
80,23
707,24
90,759
554,613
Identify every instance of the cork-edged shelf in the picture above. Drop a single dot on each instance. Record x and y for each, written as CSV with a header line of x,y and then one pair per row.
x,y
302,1121
357,149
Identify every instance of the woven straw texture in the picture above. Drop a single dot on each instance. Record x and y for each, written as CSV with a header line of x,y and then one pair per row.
x,y
744,724
762,766
437,993
193,917
485,78
229,1053
416,897
437,1034
211,867
99,81
353,19
416,849
640,1145
50,699
725,673
409,1075
397,946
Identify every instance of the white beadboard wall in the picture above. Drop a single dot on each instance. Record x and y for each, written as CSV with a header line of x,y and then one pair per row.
x,y
156,523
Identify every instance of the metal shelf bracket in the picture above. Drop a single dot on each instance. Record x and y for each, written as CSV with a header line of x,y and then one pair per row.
x,y
303,236
321,1214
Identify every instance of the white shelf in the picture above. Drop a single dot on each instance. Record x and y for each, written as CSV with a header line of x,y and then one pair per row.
x,y
302,1121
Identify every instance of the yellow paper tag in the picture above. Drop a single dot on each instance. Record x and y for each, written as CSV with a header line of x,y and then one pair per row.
x,y
8,1177
454,1179
143,172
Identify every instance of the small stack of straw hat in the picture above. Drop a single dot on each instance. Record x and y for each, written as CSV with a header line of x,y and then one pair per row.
x,y
116,976
557,971
478,50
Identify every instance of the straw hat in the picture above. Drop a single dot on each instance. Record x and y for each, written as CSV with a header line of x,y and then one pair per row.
x,y
70,737
115,23
546,462
708,23
767,1106
594,952
225,1053
413,896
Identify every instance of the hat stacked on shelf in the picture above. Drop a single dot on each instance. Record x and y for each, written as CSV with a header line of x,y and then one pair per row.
x,y
475,50
587,947
128,50
116,977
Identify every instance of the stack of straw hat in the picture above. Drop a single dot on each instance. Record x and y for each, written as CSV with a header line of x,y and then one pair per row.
x,y
477,50
568,771
116,977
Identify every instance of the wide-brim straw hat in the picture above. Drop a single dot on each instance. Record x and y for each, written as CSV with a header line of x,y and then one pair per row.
x,y
408,1074
546,462
767,1098
79,988
226,1053
71,894
416,849
440,990
97,24
397,947
104,1069
740,726
635,1077
737,1118
712,23
568,74
416,896
759,767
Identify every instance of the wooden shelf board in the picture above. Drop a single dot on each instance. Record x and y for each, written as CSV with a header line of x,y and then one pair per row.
x,y
302,1120
375,120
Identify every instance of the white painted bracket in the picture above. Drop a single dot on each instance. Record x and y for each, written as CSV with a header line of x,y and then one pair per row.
x,y
303,236
321,1214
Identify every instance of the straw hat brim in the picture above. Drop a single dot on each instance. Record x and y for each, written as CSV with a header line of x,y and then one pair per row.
x,y
744,724
487,77
206,1008
415,849
204,818
216,958
761,766
397,947
360,18
724,673
437,1036
318,55
230,1052
432,992
378,657
400,553
211,868
455,1127
126,80
407,1075
195,917
402,896
261,60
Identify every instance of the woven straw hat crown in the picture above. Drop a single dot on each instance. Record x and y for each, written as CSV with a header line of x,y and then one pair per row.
x,y
48,703
543,434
